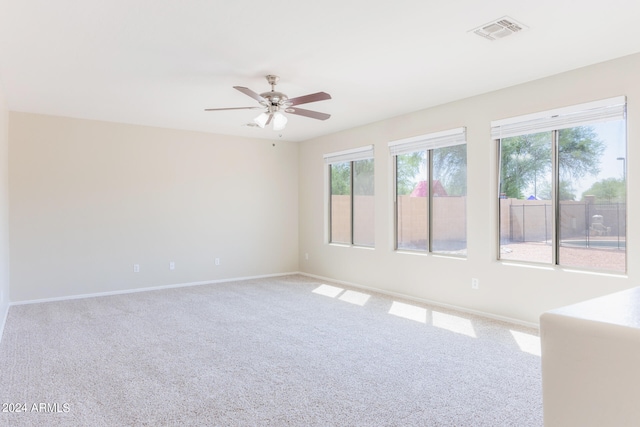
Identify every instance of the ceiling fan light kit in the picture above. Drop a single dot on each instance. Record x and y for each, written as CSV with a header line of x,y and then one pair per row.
x,y
261,120
274,103
279,121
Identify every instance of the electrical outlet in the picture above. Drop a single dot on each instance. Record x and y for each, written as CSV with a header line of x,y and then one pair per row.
x,y
136,268
217,261
306,256
475,283
172,265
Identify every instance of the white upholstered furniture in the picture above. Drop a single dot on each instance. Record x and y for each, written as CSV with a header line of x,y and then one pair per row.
x,y
591,362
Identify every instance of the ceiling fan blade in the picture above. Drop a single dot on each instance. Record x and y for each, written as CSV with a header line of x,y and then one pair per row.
x,y
233,108
269,119
305,99
308,113
250,93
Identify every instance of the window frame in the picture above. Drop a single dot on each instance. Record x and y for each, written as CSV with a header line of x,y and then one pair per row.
x,y
346,156
424,143
554,121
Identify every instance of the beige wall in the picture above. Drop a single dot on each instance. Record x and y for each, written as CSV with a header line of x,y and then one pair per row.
x,y
90,199
4,211
506,289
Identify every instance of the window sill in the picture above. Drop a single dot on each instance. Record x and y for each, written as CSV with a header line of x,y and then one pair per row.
x,y
433,254
525,264
346,245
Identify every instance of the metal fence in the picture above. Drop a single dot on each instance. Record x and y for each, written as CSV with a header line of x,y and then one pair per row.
x,y
580,223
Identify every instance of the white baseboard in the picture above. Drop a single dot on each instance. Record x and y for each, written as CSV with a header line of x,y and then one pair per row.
x,y
3,316
426,301
4,312
151,288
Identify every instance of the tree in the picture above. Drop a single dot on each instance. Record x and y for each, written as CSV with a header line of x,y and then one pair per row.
x,y
566,191
450,167
363,178
579,152
340,178
527,158
611,190
522,160
407,171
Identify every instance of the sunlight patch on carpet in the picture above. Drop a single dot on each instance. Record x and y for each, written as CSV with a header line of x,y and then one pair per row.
x,y
328,291
409,311
452,323
353,297
527,343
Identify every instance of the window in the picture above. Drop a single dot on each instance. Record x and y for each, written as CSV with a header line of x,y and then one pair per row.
x,y
431,192
351,201
562,186
340,202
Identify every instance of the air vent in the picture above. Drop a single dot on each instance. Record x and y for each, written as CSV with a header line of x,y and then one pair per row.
x,y
499,29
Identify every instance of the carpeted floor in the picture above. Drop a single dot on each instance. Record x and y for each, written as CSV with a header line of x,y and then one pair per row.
x,y
284,351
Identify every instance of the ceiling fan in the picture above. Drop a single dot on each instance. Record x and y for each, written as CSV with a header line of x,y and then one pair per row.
x,y
275,103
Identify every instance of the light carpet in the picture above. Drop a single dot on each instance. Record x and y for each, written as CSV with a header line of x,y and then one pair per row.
x,y
283,351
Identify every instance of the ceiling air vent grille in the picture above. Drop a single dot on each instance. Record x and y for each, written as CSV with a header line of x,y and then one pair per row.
x,y
498,29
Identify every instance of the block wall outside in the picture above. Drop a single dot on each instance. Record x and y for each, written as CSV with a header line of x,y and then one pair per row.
x,y
449,218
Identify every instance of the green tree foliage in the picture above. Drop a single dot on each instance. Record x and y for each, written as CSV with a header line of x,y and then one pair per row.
x,y
525,161
522,160
363,177
610,190
566,190
579,153
450,167
341,178
408,171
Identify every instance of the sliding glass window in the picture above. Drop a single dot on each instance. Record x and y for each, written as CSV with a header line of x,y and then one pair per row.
x,y
340,217
430,192
562,186
351,196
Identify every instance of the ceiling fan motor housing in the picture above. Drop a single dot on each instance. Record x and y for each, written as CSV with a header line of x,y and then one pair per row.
x,y
274,99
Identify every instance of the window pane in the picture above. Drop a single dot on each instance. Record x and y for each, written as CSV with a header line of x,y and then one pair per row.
x,y
363,203
411,206
592,194
525,198
449,200
340,175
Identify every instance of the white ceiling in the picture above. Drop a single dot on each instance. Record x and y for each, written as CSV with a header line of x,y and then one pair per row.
x,y
161,62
